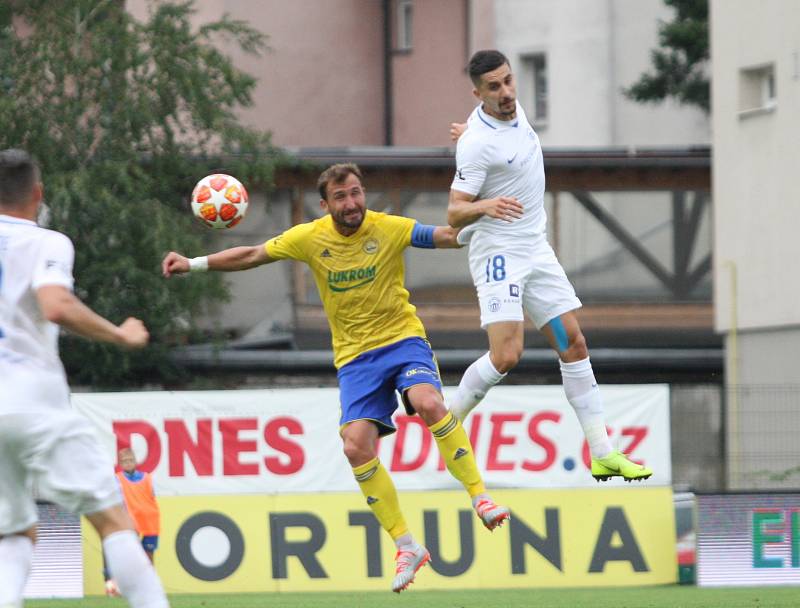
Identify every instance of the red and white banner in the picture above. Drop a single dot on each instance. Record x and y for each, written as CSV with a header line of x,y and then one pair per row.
x,y
287,440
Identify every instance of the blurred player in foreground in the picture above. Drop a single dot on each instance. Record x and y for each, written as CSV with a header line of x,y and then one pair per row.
x,y
379,343
497,197
42,440
140,501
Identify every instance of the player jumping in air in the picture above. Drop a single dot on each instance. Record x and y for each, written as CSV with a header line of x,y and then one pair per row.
x,y
379,343
42,439
497,197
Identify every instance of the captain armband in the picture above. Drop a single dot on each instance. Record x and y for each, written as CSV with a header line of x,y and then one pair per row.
x,y
422,236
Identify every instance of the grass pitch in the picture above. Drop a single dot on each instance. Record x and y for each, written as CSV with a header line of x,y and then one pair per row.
x,y
671,596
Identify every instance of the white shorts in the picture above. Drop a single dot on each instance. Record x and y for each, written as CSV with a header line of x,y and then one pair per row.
x,y
55,452
510,279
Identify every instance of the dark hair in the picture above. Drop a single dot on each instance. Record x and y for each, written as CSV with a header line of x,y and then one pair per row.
x,y
336,174
18,175
484,61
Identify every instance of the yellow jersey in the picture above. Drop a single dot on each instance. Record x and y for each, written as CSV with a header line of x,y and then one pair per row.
x,y
359,277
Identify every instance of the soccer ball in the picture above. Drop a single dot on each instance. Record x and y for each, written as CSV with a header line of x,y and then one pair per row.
x,y
219,201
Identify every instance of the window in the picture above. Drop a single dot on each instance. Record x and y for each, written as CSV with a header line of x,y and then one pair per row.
x,y
757,90
405,14
534,87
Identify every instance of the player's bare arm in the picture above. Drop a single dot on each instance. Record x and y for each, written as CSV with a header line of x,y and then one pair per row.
x,y
228,260
463,209
59,305
444,237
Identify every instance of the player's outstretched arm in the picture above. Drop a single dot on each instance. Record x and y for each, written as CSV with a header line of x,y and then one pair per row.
x,y
59,305
463,209
228,260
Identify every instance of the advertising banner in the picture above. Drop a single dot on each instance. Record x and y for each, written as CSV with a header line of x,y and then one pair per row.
x,y
330,542
748,539
287,440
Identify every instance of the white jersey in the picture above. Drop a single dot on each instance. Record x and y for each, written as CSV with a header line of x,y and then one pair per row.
x,y
31,373
502,158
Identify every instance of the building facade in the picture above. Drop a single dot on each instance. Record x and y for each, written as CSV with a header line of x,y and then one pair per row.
x,y
355,72
756,96
351,72
573,60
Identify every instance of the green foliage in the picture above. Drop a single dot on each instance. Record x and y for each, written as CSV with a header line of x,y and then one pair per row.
x,y
125,116
679,66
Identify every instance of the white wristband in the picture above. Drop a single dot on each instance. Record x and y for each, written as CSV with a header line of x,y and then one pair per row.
x,y
198,264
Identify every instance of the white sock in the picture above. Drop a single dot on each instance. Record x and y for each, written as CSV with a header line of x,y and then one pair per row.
x,y
475,383
479,497
584,397
134,574
16,556
406,542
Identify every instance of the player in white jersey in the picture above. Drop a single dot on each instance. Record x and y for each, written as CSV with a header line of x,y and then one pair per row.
x,y
43,442
497,197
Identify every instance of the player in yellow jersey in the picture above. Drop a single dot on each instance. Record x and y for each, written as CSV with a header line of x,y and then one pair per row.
x,y
379,343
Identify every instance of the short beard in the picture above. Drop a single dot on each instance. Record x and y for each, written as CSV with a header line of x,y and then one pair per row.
x,y
513,109
339,219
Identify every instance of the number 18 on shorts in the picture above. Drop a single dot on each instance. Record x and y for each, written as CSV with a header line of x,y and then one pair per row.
x,y
499,289
528,278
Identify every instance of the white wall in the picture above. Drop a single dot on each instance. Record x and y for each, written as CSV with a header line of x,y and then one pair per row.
x,y
756,162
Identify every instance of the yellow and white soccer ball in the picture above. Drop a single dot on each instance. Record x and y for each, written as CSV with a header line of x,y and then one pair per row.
x,y
219,200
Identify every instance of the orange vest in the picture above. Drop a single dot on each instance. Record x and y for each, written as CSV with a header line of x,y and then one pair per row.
x,y
141,503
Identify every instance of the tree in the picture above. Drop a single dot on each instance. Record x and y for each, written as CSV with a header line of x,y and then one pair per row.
x,y
124,117
680,65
